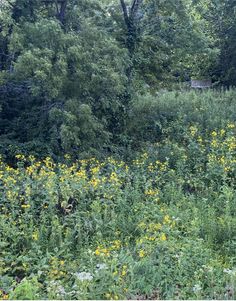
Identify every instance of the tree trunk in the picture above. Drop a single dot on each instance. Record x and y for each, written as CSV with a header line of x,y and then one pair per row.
x,y
130,19
62,11
131,23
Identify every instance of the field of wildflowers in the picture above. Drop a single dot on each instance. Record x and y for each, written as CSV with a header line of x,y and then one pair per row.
x,y
160,227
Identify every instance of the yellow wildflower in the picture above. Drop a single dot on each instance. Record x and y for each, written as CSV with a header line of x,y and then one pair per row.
x,y
222,132
124,270
167,219
97,252
25,206
163,237
151,192
214,134
20,157
116,244
199,139
35,236
102,252
141,253
230,126
193,130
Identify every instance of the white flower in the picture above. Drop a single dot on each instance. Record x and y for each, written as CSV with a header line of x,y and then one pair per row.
x,y
61,290
57,287
197,288
230,272
101,266
83,276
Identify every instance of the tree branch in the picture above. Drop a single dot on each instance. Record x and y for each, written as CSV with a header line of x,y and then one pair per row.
x,y
135,7
62,12
125,13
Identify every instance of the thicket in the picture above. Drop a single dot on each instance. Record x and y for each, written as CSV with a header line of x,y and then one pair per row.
x,y
160,227
117,181
73,73
149,119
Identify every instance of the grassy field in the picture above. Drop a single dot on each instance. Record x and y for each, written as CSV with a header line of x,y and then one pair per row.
x,y
161,226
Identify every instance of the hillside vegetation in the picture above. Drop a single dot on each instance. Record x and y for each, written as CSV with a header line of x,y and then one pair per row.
x,y
161,225
117,179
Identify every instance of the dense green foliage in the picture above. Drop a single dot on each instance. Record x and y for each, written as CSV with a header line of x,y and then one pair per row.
x,y
161,226
116,180
70,69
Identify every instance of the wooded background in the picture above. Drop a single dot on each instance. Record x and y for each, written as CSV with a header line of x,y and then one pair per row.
x,y
71,69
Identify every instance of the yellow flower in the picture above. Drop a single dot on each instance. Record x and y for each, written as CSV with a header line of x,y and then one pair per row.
x,y
167,219
142,225
32,158
97,252
230,126
35,236
105,252
151,192
20,157
102,251
62,262
124,270
94,182
214,134
222,132
5,297
222,160
163,237
142,253
214,143
199,139
193,130
151,238
114,178
25,206
151,167
154,227
81,174
116,245
95,170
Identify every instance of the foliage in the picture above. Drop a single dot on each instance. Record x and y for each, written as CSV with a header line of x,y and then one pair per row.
x,y
161,226
116,180
168,114
59,57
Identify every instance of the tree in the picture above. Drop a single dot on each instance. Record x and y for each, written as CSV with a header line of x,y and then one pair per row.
x,y
63,65
226,33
